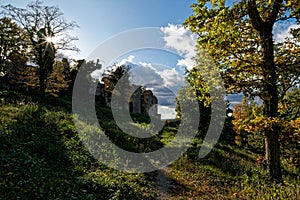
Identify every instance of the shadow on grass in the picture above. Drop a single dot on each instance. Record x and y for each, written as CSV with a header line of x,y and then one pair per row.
x,y
35,162
41,156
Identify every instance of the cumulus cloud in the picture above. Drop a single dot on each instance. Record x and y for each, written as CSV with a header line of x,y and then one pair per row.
x,y
281,34
172,78
163,82
148,65
97,74
182,63
126,61
145,75
182,41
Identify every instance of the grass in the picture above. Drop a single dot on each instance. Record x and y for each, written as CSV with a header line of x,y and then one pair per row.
x,y
42,156
229,172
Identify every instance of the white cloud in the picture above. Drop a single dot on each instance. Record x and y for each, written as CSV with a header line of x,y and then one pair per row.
x,y
167,112
145,74
171,78
148,65
97,74
281,35
183,41
179,38
128,60
182,63
164,83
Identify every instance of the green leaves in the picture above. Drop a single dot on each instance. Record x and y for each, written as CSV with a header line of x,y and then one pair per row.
x,y
240,40
12,38
228,35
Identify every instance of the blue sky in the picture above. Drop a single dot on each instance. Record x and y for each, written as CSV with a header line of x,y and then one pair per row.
x,y
100,19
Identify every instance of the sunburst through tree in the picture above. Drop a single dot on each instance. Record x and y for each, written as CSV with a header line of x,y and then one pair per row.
x,y
46,29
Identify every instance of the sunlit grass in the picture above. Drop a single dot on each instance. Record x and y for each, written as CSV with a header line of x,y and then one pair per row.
x,y
229,174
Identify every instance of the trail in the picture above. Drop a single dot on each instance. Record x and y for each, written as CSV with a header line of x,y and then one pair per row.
x,y
163,184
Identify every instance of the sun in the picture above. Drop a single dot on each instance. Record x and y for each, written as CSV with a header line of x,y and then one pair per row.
x,y
49,39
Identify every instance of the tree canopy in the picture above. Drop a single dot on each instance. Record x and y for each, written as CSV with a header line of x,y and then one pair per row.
x,y
47,31
230,35
12,44
239,37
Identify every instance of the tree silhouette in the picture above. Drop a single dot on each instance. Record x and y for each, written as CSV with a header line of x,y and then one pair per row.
x,y
43,25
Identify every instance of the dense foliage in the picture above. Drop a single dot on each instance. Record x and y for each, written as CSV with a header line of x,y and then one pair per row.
x,y
239,38
41,25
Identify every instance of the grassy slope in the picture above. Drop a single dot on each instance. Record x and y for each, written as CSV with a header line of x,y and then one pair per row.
x,y
229,172
41,156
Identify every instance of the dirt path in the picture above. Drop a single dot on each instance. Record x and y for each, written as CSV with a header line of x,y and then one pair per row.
x,y
163,184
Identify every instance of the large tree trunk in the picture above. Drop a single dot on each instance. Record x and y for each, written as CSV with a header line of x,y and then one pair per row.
x,y
42,77
273,155
270,90
270,94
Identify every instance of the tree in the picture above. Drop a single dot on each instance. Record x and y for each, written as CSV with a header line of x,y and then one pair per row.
x,y
12,44
118,74
112,75
43,25
82,72
289,107
59,79
17,67
239,38
201,92
250,125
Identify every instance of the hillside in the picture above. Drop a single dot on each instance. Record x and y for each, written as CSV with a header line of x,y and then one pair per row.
x,y
42,156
